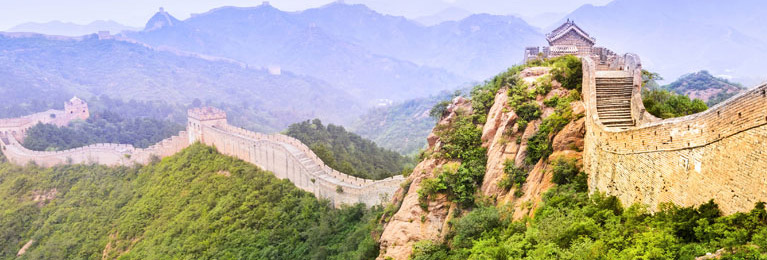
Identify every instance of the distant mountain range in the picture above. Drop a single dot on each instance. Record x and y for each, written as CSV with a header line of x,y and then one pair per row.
x,y
71,29
448,14
335,61
36,68
370,55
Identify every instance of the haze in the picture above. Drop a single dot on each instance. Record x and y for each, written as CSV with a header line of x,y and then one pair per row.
x,y
136,13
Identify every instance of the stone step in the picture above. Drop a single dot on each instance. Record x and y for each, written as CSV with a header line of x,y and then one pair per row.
x,y
614,100
614,113
614,91
613,84
615,118
613,107
625,80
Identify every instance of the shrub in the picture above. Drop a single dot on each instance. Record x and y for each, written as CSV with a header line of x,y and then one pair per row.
x,y
666,104
551,102
568,71
439,109
564,170
529,111
472,225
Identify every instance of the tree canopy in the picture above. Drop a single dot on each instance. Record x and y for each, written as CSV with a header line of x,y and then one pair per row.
x,y
348,152
197,204
100,127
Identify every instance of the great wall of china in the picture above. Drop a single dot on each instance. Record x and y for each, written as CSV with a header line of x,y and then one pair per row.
x,y
719,154
285,156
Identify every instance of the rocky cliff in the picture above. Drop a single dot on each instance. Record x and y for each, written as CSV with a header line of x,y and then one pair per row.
x,y
505,137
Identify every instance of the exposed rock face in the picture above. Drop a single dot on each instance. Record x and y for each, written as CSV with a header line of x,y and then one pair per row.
x,y
411,223
504,140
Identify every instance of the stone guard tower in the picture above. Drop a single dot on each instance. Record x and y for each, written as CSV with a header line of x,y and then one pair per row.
x,y
76,108
203,116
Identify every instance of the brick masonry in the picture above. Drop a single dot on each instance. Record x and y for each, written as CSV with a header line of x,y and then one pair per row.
x,y
718,154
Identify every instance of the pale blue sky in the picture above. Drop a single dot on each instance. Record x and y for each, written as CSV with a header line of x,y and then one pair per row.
x,y
137,12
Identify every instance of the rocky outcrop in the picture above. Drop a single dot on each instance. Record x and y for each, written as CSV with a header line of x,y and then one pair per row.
x,y
411,222
504,140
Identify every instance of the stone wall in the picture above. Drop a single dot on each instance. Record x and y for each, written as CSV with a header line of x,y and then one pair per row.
x,y
106,154
718,154
288,158
285,156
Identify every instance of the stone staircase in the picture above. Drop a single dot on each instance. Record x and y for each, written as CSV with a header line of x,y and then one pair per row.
x,y
614,99
311,166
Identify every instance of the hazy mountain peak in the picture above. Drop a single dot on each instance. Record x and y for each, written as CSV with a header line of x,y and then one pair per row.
x,y
161,19
448,14
70,29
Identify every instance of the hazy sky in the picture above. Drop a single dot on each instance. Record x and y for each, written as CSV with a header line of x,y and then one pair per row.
x,y
137,12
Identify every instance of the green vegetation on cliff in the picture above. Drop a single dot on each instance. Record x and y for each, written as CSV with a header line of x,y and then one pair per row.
x,y
197,204
101,127
348,152
573,225
461,139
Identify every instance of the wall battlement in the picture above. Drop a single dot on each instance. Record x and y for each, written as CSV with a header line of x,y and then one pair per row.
x,y
718,154
285,156
206,113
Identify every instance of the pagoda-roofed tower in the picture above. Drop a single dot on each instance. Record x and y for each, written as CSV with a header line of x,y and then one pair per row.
x,y
570,39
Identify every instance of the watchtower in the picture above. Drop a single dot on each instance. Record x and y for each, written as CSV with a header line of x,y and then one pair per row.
x,y
201,117
76,108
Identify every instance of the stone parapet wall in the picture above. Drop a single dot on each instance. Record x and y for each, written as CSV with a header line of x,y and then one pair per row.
x,y
718,154
288,158
106,154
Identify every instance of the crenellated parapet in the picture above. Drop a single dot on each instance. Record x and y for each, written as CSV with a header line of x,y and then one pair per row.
x,y
289,158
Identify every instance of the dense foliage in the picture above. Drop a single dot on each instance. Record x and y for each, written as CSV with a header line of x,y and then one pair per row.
x,y
102,127
197,204
573,225
348,152
666,104
462,144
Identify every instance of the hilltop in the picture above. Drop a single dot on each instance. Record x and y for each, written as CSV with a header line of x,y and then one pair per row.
x,y
369,54
702,85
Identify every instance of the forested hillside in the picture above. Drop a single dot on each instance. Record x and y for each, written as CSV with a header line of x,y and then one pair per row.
x,y
197,204
401,127
348,152
100,127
